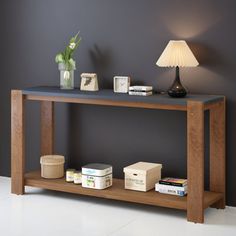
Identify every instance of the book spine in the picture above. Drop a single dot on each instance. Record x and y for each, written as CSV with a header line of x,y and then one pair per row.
x,y
172,192
172,183
141,88
180,191
163,186
140,93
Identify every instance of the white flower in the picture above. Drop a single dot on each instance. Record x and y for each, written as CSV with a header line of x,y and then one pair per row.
x,y
72,46
59,58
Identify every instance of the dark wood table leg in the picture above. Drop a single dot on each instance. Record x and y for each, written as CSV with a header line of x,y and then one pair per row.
x,y
195,161
217,151
47,127
17,142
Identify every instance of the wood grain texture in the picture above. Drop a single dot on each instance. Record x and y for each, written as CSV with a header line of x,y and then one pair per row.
x,y
17,142
117,192
195,161
212,105
107,102
197,199
47,127
217,151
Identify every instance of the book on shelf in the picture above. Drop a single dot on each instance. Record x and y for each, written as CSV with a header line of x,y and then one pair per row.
x,y
173,190
140,93
173,182
141,88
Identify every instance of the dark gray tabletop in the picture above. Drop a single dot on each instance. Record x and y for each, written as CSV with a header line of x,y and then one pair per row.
x,y
108,94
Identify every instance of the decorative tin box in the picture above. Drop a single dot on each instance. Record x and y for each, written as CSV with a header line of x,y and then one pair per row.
x,y
142,176
97,176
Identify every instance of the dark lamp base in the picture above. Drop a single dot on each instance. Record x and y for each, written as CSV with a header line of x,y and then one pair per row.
x,y
177,90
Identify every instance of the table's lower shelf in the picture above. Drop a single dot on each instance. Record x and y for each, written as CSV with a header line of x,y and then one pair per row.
x,y
117,192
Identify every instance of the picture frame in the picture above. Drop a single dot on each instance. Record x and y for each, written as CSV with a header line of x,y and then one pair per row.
x,y
89,82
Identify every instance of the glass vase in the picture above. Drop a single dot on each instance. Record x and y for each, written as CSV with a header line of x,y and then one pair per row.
x,y
66,76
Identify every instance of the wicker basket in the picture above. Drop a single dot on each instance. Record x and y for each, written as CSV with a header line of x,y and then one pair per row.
x,y
52,166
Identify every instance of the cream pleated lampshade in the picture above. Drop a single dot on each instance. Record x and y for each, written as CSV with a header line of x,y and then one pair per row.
x,y
177,53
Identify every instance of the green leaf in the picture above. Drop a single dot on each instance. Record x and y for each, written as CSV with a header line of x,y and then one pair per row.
x,y
76,35
73,39
77,44
72,63
66,56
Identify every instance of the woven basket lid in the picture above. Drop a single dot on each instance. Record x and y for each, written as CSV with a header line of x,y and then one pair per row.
x,y
52,160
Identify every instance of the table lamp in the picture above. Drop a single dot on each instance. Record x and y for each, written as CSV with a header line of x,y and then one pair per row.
x,y
177,54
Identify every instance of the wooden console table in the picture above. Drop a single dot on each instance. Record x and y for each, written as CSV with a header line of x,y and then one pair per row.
x,y
195,106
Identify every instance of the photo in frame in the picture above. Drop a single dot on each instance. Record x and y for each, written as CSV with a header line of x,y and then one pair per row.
x,y
89,82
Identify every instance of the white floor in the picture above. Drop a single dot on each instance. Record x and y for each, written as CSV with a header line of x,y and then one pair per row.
x,y
44,213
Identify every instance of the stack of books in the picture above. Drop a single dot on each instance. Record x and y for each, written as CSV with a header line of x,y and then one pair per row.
x,y
140,90
173,186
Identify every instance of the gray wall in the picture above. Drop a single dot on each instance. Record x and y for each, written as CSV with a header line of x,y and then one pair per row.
x,y
119,38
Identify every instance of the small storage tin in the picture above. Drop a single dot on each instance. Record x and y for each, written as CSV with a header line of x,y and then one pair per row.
x,y
77,177
70,175
142,176
52,166
97,176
